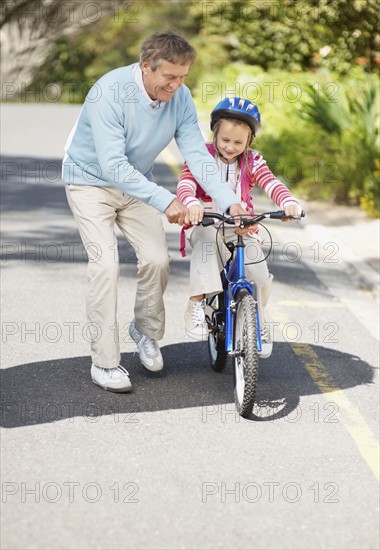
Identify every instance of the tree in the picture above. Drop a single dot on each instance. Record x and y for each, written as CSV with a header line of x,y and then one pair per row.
x,y
295,34
72,58
29,28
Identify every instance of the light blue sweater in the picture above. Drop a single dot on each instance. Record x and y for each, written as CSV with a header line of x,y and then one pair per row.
x,y
118,137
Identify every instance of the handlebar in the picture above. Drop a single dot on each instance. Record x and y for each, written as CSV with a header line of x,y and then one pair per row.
x,y
210,217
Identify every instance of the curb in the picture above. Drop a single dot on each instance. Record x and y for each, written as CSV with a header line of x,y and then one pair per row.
x,y
357,242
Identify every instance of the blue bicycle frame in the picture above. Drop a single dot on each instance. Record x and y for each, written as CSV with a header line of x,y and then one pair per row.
x,y
234,281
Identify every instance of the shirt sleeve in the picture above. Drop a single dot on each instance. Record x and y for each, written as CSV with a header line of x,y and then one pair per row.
x,y
187,187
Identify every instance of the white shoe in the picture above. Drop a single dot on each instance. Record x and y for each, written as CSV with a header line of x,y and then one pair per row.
x,y
195,320
116,380
147,348
266,344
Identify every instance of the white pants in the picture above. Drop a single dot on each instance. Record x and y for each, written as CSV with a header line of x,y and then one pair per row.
x,y
206,265
97,210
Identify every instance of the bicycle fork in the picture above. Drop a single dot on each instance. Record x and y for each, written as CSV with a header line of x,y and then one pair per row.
x,y
236,272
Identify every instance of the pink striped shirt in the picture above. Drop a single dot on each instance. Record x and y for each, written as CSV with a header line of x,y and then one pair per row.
x,y
188,190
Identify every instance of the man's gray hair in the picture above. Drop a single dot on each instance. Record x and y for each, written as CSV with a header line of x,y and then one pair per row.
x,y
167,46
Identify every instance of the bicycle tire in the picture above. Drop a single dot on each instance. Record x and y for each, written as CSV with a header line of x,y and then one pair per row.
x,y
216,338
246,363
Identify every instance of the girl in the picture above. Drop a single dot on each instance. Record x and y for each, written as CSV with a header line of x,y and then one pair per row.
x,y
234,122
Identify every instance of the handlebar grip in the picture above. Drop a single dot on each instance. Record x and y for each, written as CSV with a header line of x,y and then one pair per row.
x,y
277,215
281,214
209,218
207,221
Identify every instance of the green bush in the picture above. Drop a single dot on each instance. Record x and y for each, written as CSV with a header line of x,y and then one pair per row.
x,y
77,60
352,127
295,35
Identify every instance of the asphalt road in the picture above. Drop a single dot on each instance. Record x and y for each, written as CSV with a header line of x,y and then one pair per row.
x,y
172,465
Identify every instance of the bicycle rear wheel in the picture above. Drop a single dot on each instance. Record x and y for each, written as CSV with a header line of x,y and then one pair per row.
x,y
246,358
215,317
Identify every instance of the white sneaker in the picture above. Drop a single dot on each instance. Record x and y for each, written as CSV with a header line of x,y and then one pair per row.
x,y
116,380
195,321
266,344
147,348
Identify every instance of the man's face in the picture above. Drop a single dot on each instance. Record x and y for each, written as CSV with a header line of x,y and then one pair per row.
x,y
165,80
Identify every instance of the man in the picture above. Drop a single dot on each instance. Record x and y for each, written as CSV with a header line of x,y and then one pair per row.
x,y
129,116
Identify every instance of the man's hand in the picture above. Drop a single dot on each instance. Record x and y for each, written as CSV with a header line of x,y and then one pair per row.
x,y
237,210
177,212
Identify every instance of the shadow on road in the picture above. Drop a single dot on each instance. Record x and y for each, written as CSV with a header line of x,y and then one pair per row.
x,y
45,392
33,183
50,391
34,186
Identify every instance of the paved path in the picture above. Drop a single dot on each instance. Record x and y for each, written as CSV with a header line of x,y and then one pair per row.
x,y
172,465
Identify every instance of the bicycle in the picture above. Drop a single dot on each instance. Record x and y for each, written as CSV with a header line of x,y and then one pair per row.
x,y
232,316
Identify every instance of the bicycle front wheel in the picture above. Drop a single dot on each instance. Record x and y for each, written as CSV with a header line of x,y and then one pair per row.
x,y
246,355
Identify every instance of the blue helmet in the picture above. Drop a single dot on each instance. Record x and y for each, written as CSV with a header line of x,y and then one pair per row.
x,y
236,107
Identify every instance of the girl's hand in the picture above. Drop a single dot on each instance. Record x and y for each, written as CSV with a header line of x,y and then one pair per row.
x,y
196,212
292,209
246,230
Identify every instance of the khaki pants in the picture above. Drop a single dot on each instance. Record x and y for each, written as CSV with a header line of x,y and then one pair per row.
x,y
206,265
96,211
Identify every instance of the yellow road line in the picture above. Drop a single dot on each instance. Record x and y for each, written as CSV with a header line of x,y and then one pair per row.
x,y
352,418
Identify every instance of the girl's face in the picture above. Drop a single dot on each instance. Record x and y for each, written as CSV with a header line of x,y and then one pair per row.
x,y
232,139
